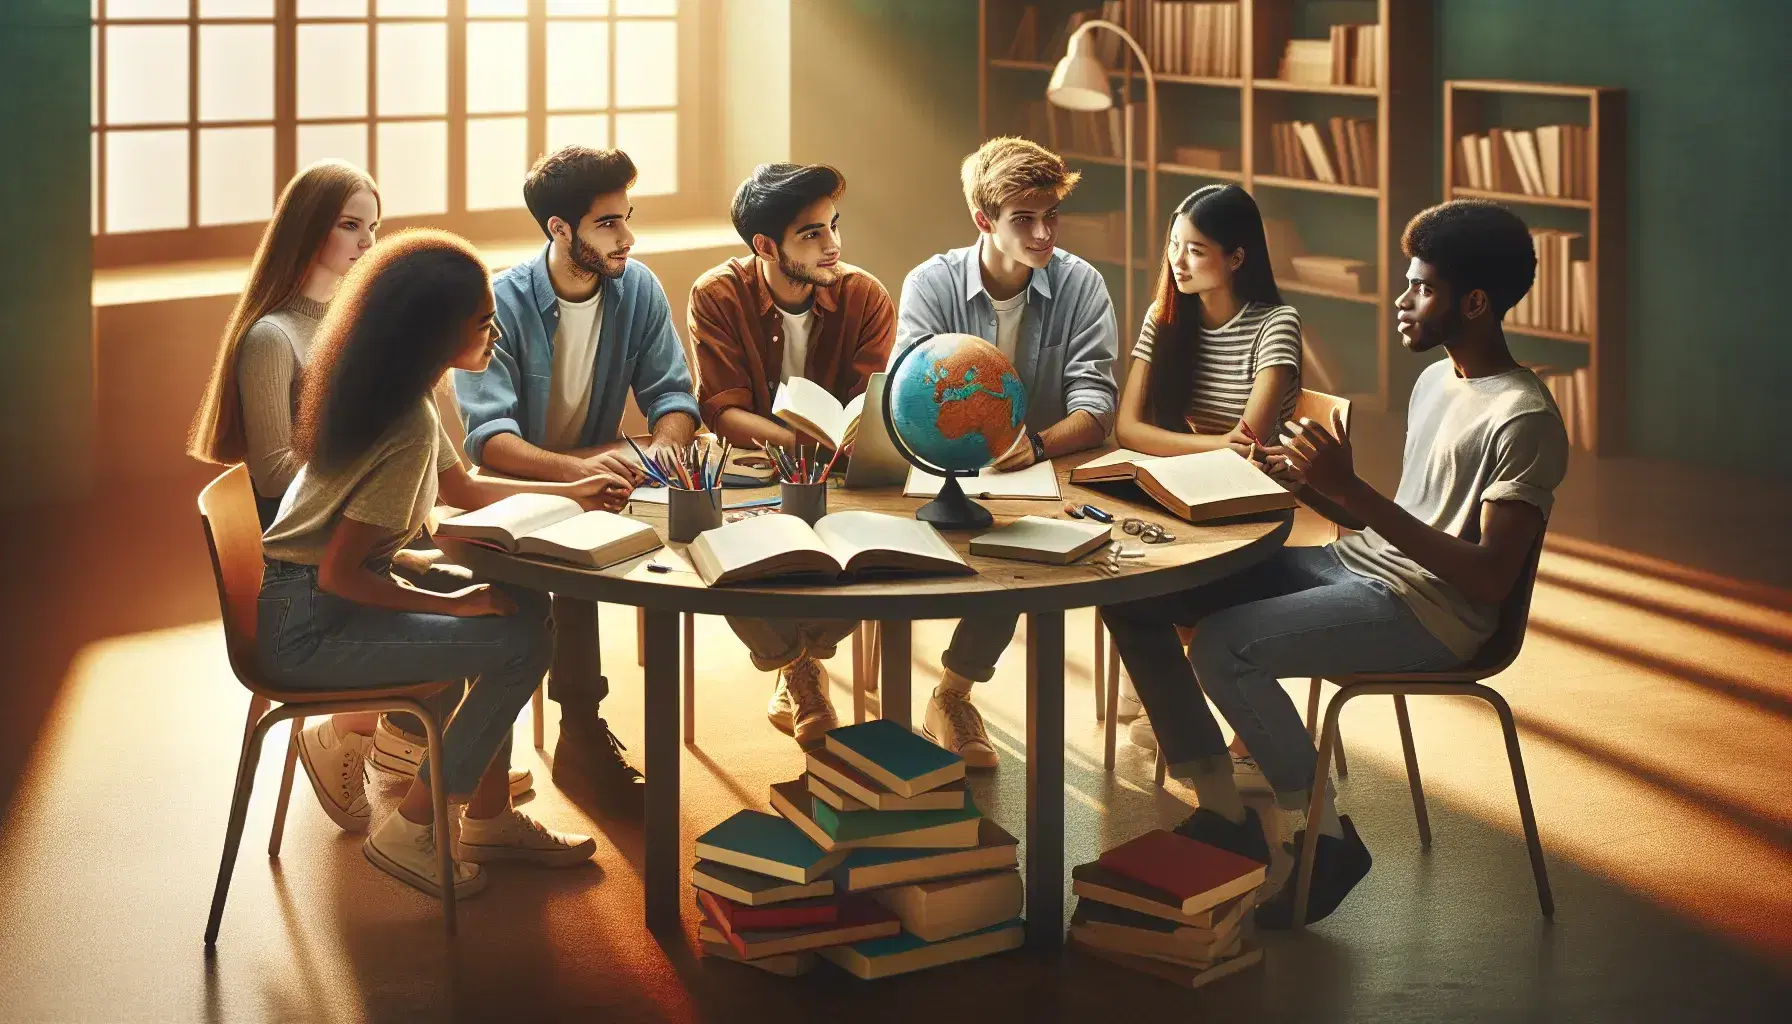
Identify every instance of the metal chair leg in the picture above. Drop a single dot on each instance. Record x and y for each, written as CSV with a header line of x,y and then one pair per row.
x,y
538,714
233,832
438,798
1545,899
1412,770
1113,704
280,802
690,678
1100,675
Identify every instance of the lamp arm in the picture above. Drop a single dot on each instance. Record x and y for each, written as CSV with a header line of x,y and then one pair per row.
x,y
1150,116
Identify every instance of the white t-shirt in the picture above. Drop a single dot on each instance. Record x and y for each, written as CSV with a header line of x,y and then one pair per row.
x,y
796,342
1009,315
575,363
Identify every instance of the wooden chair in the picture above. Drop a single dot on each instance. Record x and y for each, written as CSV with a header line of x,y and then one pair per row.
x,y
232,532
1494,657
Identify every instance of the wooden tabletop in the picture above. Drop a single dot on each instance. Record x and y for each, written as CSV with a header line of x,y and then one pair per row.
x,y
1199,554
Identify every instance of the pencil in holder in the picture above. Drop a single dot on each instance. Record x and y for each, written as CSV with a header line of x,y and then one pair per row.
x,y
807,502
690,512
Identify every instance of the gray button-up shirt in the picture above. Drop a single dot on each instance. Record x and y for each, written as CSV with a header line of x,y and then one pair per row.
x,y
1068,338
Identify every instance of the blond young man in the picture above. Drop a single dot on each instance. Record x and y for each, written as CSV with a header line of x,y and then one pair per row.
x,y
1048,312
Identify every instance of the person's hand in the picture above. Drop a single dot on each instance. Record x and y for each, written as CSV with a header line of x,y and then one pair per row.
x,y
616,464
1275,461
605,492
480,600
1240,442
1018,456
1321,456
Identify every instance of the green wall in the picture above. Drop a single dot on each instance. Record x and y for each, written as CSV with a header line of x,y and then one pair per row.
x,y
46,266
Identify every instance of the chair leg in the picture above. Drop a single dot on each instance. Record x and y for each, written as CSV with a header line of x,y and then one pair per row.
x,y
1412,770
1545,899
1315,808
641,636
1100,676
438,798
538,714
1113,703
858,674
280,802
258,706
233,832
1338,754
690,678
1313,715
1162,769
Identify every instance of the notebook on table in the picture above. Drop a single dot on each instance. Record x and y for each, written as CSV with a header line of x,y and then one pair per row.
x,y
555,527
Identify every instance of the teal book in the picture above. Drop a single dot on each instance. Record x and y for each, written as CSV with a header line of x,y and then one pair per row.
x,y
905,951
938,826
768,844
876,867
908,764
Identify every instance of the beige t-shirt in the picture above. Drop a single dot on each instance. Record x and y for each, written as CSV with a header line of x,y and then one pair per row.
x,y
391,485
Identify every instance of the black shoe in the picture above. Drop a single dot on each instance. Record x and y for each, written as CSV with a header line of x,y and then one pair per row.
x,y
1338,864
588,758
1243,838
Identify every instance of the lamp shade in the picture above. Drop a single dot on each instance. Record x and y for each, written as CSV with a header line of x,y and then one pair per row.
x,y
1080,82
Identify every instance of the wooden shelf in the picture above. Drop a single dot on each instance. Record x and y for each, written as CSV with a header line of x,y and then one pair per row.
x,y
1566,202
1545,332
1046,66
1529,88
1282,85
1302,288
1199,172
1309,185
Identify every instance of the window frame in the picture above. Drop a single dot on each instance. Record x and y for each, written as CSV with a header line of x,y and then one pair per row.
x,y
696,94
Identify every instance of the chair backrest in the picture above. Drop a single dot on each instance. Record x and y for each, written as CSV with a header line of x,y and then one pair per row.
x,y
233,533
1317,406
1501,649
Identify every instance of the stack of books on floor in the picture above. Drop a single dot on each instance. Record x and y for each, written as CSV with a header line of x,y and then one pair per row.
x,y
1549,161
877,861
1299,149
1169,906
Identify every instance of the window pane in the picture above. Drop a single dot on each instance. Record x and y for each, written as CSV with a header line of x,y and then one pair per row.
x,y
578,65
579,129
332,142
651,140
146,180
236,73
236,175
489,8
497,159
93,184
93,67
146,74
413,8
332,71
234,8
497,67
147,9
413,171
413,69
332,8
578,7
648,7
646,63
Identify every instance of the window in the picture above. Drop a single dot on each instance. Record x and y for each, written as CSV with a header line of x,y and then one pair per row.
x,y
203,109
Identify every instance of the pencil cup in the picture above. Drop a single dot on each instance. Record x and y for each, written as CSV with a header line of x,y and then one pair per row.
x,y
807,502
689,513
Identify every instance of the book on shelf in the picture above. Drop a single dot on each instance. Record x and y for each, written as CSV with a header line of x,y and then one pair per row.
x,y
877,867
1307,62
1195,39
1204,158
1353,54
738,917
1196,487
1342,153
1336,273
835,830
841,777
1572,392
1558,298
1179,974
1313,147
904,952
807,406
897,758
860,918
1025,45
1094,236
840,547
1550,161
1038,539
753,889
943,908
1195,874
768,845
553,526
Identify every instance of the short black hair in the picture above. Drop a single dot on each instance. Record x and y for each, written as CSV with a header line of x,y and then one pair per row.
x,y
567,181
771,197
1475,244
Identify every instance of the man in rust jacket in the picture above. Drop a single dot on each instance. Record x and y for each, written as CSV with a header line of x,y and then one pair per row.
x,y
790,309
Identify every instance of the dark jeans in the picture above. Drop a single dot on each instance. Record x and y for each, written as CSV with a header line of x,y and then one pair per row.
x,y
576,680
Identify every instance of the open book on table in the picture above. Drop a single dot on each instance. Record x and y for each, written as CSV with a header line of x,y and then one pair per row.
x,y
1204,485
554,526
808,407
838,546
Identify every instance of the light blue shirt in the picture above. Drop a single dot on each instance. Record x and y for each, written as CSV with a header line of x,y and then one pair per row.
x,y
637,349
1068,339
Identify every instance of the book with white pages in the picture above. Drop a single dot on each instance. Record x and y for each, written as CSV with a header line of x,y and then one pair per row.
x,y
1038,539
807,406
553,526
1203,485
1037,482
839,546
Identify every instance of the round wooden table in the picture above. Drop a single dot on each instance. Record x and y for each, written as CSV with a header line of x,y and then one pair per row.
x,y
1199,554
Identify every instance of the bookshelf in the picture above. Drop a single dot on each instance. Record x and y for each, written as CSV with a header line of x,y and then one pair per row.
x,y
1363,220
1472,107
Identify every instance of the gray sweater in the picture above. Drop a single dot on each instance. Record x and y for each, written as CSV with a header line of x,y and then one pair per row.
x,y
267,379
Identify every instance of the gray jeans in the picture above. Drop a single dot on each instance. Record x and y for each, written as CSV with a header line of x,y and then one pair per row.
x,y
977,644
311,639
1298,613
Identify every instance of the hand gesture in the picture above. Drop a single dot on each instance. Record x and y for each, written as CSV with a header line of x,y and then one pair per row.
x,y
1321,457
1242,443
616,464
1018,456
600,491
482,600
1275,461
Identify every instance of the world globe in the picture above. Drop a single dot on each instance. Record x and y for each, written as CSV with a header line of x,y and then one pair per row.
x,y
953,404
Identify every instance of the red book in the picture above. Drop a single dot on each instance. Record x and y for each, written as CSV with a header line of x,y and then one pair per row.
x,y
860,918
738,917
1194,873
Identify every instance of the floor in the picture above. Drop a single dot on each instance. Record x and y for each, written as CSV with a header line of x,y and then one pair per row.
x,y
1653,698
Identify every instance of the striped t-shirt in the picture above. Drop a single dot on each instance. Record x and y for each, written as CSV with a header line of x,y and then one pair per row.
x,y
1228,359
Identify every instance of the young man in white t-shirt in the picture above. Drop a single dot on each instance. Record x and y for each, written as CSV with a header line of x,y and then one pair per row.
x,y
1419,590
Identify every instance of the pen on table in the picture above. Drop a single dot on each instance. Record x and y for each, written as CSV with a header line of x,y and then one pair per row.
x,y
1097,514
1073,511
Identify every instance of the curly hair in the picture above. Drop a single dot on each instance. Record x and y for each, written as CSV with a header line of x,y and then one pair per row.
x,y
769,200
1475,244
398,319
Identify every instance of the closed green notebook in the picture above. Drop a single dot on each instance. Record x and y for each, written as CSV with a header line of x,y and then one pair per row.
x,y
895,756
768,844
849,825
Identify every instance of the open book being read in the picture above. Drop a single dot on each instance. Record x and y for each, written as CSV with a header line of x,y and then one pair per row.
x,y
554,526
839,546
808,407
1203,485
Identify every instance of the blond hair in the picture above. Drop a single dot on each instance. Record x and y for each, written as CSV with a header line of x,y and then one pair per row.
x,y
307,210
1006,168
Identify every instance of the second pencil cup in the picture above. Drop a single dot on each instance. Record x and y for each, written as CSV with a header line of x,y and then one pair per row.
x,y
807,502
689,513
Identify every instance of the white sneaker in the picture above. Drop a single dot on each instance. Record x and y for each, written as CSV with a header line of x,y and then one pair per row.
x,y
1127,708
954,723
800,706
337,768
396,752
1248,777
407,852
1141,734
514,835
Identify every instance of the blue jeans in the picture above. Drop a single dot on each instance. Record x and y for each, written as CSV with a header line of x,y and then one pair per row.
x,y
310,639
1298,613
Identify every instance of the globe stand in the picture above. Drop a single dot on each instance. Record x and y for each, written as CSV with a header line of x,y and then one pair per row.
x,y
951,509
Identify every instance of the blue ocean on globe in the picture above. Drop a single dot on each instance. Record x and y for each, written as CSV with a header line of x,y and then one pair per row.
x,y
956,402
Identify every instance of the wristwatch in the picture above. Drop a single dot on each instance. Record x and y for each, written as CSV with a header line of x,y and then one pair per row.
x,y
1038,444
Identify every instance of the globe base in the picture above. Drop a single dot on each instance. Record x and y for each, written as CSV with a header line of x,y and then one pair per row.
x,y
953,510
